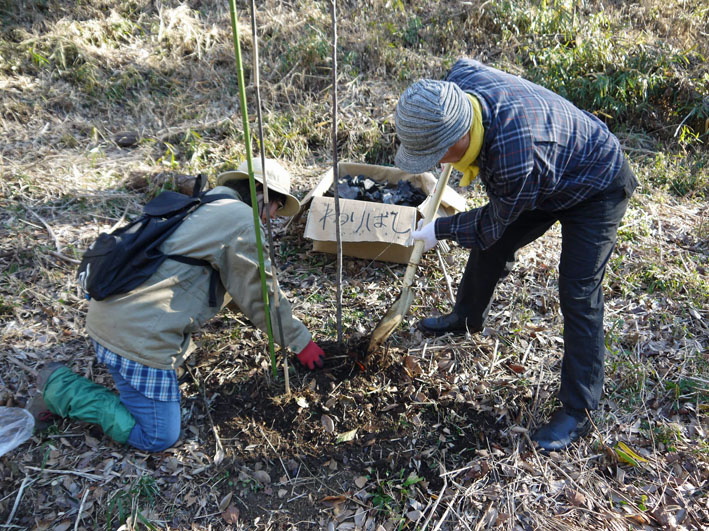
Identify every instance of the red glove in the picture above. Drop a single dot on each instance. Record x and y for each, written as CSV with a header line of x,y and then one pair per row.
x,y
311,356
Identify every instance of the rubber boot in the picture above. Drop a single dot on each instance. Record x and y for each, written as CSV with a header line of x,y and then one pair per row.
x,y
69,395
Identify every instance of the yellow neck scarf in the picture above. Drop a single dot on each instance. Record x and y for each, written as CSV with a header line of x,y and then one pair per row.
x,y
466,165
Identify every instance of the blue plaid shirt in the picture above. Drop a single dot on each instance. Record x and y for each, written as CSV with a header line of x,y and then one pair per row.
x,y
156,384
539,152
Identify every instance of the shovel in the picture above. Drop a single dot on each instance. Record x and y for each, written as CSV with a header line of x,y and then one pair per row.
x,y
396,312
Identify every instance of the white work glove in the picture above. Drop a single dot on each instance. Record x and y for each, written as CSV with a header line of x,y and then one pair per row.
x,y
427,234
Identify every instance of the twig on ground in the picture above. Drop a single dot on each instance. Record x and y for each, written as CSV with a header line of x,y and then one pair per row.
x,y
493,361
438,500
46,226
92,477
286,375
219,454
446,276
81,508
21,365
481,521
445,513
17,500
275,452
64,257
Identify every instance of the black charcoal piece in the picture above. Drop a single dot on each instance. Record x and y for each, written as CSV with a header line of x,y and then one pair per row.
x,y
347,191
363,188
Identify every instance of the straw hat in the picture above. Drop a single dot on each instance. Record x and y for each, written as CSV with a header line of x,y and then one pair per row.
x,y
277,177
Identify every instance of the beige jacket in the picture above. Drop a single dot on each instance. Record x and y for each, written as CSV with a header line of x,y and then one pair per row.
x,y
153,324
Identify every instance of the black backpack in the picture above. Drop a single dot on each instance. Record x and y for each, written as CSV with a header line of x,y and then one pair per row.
x,y
123,259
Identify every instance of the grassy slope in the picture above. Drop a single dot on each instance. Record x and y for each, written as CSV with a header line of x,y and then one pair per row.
x,y
72,76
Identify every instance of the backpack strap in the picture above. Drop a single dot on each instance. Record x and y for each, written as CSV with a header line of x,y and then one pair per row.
x,y
204,198
198,183
199,262
201,198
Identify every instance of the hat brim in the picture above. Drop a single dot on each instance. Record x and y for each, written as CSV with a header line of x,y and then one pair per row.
x,y
290,208
417,163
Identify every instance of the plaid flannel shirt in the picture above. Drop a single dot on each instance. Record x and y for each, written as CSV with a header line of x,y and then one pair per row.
x,y
155,384
539,152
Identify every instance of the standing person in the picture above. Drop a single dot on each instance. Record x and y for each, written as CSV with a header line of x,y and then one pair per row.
x,y
144,335
541,160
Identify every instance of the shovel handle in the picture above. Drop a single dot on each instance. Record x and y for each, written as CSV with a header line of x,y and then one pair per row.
x,y
428,216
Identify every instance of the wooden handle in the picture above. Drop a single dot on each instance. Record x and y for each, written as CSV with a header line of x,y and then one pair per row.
x,y
428,215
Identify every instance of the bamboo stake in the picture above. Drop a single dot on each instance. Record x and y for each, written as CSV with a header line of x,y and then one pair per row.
x,y
335,172
252,183
269,233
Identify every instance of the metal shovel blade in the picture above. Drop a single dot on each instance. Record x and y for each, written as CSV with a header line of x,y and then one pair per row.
x,y
392,319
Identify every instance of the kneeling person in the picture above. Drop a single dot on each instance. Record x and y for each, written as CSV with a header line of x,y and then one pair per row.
x,y
144,335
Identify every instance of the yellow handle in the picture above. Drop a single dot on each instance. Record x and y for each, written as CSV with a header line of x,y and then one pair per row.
x,y
428,215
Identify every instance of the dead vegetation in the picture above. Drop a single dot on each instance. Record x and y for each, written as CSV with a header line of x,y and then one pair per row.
x,y
432,434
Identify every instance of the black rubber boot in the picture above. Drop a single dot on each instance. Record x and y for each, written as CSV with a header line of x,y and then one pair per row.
x,y
563,429
451,323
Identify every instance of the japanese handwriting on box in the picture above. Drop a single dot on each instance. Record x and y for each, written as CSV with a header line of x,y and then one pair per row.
x,y
363,221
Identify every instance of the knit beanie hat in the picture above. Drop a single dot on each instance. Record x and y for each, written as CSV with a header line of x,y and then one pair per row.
x,y
430,117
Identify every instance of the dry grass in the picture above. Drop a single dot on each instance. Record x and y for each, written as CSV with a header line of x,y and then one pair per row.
x,y
442,426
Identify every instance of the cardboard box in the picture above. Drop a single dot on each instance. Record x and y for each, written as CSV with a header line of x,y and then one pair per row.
x,y
373,231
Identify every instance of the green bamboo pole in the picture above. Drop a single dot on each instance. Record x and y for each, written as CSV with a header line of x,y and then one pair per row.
x,y
266,200
252,182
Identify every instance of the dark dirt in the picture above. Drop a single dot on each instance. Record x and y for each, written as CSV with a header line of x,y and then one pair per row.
x,y
399,431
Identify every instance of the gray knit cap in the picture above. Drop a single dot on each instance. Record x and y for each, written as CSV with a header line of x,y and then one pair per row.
x,y
430,117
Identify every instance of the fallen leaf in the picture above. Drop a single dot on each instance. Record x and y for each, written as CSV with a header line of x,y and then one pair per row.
x,y
627,455
225,502
302,402
516,368
328,424
501,519
412,366
231,514
639,518
575,498
191,499
359,518
347,436
262,477
361,481
219,456
334,500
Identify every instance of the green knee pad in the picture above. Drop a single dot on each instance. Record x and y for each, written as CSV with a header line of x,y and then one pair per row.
x,y
69,395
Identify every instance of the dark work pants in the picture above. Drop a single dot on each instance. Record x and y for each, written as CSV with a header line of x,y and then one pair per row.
x,y
588,232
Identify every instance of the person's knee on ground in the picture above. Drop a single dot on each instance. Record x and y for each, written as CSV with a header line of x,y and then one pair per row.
x,y
157,437
158,443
